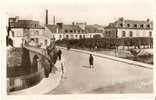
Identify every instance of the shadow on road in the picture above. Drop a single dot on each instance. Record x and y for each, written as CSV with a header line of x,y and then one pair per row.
x,y
86,66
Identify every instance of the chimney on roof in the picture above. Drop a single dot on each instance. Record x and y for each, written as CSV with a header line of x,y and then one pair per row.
x,y
73,23
46,17
17,18
53,20
121,18
148,19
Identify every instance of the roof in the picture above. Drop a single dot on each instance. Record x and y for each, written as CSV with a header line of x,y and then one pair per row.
x,y
136,22
71,27
131,23
52,28
26,24
94,28
75,28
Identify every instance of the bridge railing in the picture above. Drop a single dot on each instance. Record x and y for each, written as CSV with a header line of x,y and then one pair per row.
x,y
40,51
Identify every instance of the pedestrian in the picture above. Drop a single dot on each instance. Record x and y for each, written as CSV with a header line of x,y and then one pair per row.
x,y
91,60
62,65
59,54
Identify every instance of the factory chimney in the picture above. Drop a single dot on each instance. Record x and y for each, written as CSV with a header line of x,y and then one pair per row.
x,y
53,20
46,17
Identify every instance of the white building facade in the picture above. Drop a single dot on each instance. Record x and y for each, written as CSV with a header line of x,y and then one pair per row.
x,y
23,29
73,31
129,28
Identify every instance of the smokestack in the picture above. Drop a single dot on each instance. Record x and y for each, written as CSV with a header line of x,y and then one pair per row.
x,y
46,16
53,20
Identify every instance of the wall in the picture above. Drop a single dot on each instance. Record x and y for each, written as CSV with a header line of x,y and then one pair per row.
x,y
73,36
16,36
30,79
34,32
136,32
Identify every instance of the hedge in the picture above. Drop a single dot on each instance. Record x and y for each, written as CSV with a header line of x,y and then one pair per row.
x,y
107,43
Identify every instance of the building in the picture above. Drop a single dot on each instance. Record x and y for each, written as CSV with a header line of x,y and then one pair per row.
x,y
79,30
73,31
129,28
22,29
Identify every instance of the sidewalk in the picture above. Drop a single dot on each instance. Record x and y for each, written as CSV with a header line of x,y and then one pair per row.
x,y
46,84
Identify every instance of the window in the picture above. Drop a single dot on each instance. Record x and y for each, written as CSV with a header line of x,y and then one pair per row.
x,y
121,24
71,36
123,33
36,32
66,31
71,31
128,25
148,26
76,36
13,34
141,26
135,25
67,36
80,36
131,34
90,36
60,36
83,36
150,34
35,25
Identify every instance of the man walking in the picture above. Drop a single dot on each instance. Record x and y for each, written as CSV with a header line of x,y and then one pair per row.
x,y
59,54
91,59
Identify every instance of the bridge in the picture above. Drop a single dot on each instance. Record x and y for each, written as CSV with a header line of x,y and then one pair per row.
x,y
35,63
109,75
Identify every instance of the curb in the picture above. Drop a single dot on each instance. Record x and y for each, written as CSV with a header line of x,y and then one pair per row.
x,y
139,64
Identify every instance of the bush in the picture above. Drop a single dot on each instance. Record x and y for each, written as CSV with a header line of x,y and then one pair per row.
x,y
107,43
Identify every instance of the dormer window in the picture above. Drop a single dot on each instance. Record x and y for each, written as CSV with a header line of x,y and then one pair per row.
x,y
128,25
135,25
148,26
121,25
141,26
35,25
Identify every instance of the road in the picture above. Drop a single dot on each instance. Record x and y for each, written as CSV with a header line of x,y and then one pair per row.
x,y
108,76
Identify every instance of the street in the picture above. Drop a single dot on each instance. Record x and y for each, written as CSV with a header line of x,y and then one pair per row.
x,y
107,76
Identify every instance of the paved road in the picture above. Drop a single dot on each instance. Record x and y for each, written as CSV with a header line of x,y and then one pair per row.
x,y
108,76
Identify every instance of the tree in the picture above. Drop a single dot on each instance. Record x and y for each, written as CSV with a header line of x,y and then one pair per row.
x,y
135,53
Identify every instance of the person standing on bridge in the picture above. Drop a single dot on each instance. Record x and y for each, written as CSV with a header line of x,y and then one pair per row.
x,y
91,60
59,54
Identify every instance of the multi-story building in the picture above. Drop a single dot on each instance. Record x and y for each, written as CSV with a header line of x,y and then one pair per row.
x,y
20,29
129,28
73,31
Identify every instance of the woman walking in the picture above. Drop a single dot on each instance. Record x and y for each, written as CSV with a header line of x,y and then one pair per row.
x,y
91,60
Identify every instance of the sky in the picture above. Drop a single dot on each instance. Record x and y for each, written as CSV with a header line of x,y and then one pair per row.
x,y
91,11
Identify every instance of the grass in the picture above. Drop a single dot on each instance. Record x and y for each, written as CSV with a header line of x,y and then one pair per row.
x,y
145,58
